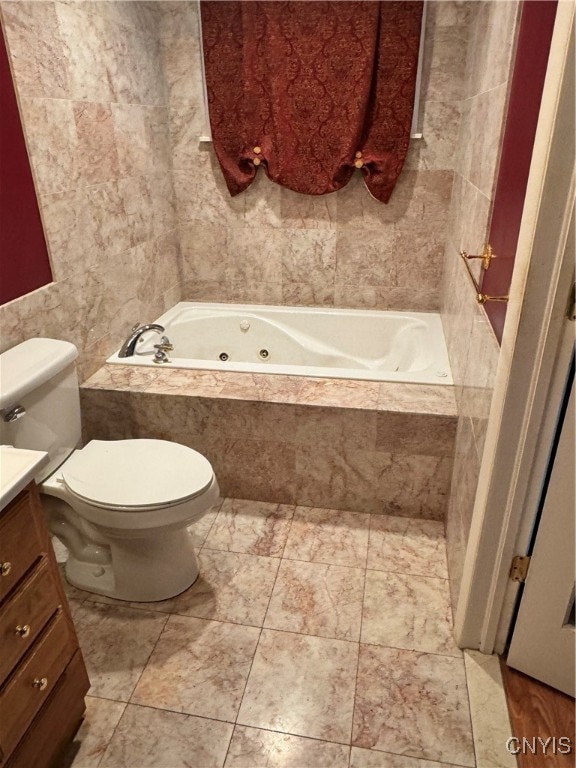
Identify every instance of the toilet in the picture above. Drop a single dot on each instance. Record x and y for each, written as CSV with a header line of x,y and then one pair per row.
x,y
121,507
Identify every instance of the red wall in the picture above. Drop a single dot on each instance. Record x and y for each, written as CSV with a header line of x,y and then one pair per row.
x,y
24,263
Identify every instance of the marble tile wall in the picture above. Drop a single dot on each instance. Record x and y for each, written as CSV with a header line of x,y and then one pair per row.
x,y
472,346
352,448
94,108
271,245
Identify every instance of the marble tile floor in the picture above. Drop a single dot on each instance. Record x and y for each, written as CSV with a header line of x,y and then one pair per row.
x,y
312,639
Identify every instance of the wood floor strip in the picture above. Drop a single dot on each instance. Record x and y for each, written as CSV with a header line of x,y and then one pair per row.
x,y
539,712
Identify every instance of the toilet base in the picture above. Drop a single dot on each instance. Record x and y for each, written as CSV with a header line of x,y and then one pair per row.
x,y
143,570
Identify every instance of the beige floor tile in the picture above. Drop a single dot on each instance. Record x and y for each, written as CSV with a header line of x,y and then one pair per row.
x,y
490,719
328,536
201,529
231,587
151,738
116,643
369,758
411,612
406,545
91,739
317,599
198,667
251,527
301,685
254,748
413,704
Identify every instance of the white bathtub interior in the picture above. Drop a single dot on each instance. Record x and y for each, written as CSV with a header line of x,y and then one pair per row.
x,y
301,341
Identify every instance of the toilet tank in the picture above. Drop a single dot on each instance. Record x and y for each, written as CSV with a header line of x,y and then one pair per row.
x,y
39,375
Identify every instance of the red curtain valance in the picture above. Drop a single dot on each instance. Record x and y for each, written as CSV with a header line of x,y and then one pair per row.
x,y
311,90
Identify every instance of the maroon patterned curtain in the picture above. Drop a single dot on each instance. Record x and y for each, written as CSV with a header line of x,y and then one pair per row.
x,y
311,90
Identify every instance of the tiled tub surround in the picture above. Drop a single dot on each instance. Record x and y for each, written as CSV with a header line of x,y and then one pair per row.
x,y
270,245
350,445
472,346
311,639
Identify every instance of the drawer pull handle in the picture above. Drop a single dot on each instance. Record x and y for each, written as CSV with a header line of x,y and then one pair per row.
x,y
41,683
5,569
23,630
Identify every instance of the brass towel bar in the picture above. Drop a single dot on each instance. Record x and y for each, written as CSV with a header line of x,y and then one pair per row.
x,y
487,255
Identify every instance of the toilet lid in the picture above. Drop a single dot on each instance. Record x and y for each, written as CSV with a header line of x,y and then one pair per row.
x,y
136,473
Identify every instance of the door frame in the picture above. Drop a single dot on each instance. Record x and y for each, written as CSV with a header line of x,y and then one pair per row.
x,y
535,346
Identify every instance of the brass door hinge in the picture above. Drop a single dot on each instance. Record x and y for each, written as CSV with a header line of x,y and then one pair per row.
x,y
519,568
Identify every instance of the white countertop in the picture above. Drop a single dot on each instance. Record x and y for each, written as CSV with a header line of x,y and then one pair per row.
x,y
17,467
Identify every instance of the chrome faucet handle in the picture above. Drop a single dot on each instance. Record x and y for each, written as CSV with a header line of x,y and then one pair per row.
x,y
165,344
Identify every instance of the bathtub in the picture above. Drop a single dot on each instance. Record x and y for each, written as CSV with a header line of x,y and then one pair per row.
x,y
301,341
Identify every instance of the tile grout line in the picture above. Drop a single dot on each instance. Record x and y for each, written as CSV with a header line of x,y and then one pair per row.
x,y
134,688
220,505
268,730
415,650
470,710
218,720
360,637
113,731
259,636
291,631
149,657
326,562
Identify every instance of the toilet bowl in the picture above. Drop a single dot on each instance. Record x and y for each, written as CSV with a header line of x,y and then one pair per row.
x,y
122,508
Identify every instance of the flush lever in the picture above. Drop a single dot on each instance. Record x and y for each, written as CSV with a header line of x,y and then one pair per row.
x,y
14,413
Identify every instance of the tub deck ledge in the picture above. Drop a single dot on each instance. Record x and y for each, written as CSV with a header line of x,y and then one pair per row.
x,y
434,399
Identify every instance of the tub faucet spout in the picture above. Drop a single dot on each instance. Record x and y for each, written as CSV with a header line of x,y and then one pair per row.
x,y
127,349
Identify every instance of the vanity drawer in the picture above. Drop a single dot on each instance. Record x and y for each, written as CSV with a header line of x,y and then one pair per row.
x,y
20,542
56,723
25,615
30,686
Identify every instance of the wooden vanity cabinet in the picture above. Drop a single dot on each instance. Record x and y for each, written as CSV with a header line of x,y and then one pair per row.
x,y
43,679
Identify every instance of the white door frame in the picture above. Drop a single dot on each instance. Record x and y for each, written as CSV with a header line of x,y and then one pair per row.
x,y
527,393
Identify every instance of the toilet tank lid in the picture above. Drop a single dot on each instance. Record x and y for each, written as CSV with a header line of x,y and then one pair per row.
x,y
30,364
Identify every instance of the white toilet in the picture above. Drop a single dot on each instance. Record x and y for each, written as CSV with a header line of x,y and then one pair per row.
x,y
121,507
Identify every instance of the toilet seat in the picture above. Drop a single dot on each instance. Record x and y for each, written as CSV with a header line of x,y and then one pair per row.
x,y
136,475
